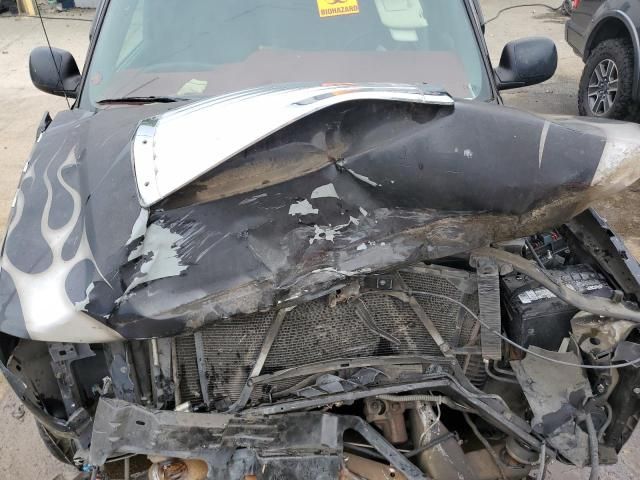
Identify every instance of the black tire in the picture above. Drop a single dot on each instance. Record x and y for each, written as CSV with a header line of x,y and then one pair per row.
x,y
62,449
620,51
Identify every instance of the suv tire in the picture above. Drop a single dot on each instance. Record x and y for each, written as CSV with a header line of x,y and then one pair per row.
x,y
609,66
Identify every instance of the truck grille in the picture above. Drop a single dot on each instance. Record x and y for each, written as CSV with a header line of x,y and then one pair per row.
x,y
315,331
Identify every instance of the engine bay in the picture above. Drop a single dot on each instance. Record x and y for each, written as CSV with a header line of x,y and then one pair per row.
x,y
478,366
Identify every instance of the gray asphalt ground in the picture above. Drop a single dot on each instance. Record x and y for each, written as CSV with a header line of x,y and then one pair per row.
x,y
22,455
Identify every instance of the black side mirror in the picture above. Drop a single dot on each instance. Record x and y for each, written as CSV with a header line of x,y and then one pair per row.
x,y
57,74
526,62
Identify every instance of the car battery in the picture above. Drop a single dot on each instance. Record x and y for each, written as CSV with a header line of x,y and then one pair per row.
x,y
535,316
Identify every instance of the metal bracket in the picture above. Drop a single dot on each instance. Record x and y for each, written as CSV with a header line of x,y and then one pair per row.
x,y
202,367
431,328
363,313
274,329
379,282
489,301
62,355
124,386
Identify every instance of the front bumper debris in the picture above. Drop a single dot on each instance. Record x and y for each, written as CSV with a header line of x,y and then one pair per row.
x,y
297,445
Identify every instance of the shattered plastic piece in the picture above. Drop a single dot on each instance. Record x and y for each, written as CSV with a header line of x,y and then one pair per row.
x,y
325,191
333,384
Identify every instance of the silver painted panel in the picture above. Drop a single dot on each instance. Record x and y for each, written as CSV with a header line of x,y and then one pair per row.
x,y
173,149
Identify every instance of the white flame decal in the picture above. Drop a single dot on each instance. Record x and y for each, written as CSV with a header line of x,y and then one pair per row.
x,y
48,312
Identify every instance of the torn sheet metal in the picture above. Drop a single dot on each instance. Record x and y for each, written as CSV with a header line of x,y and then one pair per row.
x,y
352,188
556,394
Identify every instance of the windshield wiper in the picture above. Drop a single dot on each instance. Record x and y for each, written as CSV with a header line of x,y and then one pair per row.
x,y
141,100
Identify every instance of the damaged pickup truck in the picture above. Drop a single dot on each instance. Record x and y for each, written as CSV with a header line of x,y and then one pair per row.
x,y
304,240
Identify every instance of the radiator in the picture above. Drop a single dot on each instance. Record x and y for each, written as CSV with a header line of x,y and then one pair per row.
x,y
316,331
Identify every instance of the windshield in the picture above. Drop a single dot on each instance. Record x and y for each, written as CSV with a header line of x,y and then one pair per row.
x,y
195,48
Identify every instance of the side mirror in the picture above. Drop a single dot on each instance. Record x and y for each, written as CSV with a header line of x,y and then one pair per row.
x,y
526,62
57,74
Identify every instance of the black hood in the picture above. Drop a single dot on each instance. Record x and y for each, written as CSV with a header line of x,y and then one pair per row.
x,y
351,190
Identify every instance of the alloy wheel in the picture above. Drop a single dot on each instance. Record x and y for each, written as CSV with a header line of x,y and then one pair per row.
x,y
603,87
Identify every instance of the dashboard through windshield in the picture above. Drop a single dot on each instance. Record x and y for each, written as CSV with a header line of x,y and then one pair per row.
x,y
202,48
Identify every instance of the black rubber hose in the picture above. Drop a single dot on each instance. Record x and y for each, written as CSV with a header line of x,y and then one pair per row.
x,y
436,441
593,447
498,378
374,454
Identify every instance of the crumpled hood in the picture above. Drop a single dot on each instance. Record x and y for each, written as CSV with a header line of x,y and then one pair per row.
x,y
355,187
72,215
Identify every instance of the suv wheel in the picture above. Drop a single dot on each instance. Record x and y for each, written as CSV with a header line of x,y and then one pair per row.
x,y
607,80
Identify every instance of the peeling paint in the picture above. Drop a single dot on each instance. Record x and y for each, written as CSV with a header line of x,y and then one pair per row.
x,y
326,233
140,226
83,304
329,233
303,207
136,252
160,251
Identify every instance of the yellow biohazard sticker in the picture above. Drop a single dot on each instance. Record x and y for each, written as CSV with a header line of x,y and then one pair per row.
x,y
334,8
